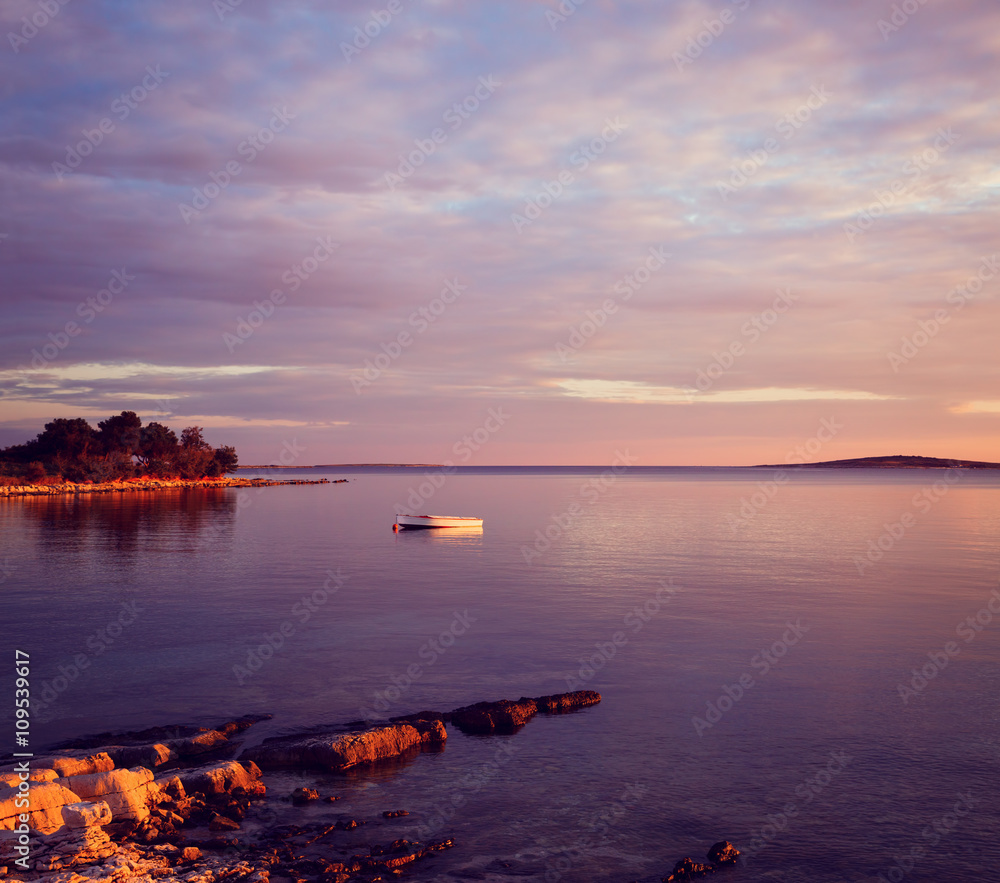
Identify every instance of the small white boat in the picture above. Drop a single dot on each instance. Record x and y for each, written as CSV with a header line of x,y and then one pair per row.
x,y
425,521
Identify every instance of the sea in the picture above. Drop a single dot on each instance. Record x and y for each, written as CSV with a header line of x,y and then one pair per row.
x,y
802,661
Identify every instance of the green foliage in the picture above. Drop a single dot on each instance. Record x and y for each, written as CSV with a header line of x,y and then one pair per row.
x,y
121,447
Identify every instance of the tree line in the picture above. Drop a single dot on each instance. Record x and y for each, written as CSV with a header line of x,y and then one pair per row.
x,y
120,447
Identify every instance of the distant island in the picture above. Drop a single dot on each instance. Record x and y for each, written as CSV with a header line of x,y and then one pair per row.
x,y
896,461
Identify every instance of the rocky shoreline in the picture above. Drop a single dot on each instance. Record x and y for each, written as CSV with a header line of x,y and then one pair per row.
x,y
187,805
149,484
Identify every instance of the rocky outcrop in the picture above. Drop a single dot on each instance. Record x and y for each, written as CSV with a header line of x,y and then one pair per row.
x,y
127,792
80,765
340,752
506,715
146,484
12,779
72,847
45,811
86,814
720,855
221,778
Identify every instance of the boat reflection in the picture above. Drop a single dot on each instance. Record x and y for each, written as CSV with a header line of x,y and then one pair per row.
x,y
470,536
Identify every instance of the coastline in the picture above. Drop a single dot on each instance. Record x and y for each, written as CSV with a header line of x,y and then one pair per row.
x,y
149,484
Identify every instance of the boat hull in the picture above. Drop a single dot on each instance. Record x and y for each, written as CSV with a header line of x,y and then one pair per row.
x,y
423,522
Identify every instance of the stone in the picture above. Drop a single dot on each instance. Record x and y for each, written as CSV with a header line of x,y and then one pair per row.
x,y
494,717
190,854
72,847
223,823
151,756
67,766
86,814
342,752
560,703
222,778
47,800
127,792
687,868
12,780
723,853
304,795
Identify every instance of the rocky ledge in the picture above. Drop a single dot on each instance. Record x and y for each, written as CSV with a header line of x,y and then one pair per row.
x,y
192,805
149,484
506,715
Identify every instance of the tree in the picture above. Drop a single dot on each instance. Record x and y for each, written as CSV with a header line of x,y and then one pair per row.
x,y
121,433
158,448
225,460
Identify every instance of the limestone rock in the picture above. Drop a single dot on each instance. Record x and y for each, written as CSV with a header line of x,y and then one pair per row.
x,y
86,814
127,792
301,796
151,756
345,751
12,780
47,800
494,717
560,703
222,778
73,847
71,765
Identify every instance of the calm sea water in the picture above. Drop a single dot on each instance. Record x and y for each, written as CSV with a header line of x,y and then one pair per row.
x,y
749,640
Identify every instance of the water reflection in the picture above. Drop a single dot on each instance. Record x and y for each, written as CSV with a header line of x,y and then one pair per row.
x,y
443,536
124,524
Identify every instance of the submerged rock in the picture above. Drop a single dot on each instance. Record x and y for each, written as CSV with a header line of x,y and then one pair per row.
x,y
720,855
506,715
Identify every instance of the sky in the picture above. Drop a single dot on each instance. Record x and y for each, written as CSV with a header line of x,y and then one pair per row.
x,y
431,231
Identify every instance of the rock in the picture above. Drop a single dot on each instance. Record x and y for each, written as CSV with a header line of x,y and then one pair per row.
x,y
86,815
222,778
223,823
72,847
190,854
127,792
506,715
394,814
151,756
494,717
304,795
47,800
12,780
560,703
201,743
77,766
723,853
170,786
344,751
687,868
